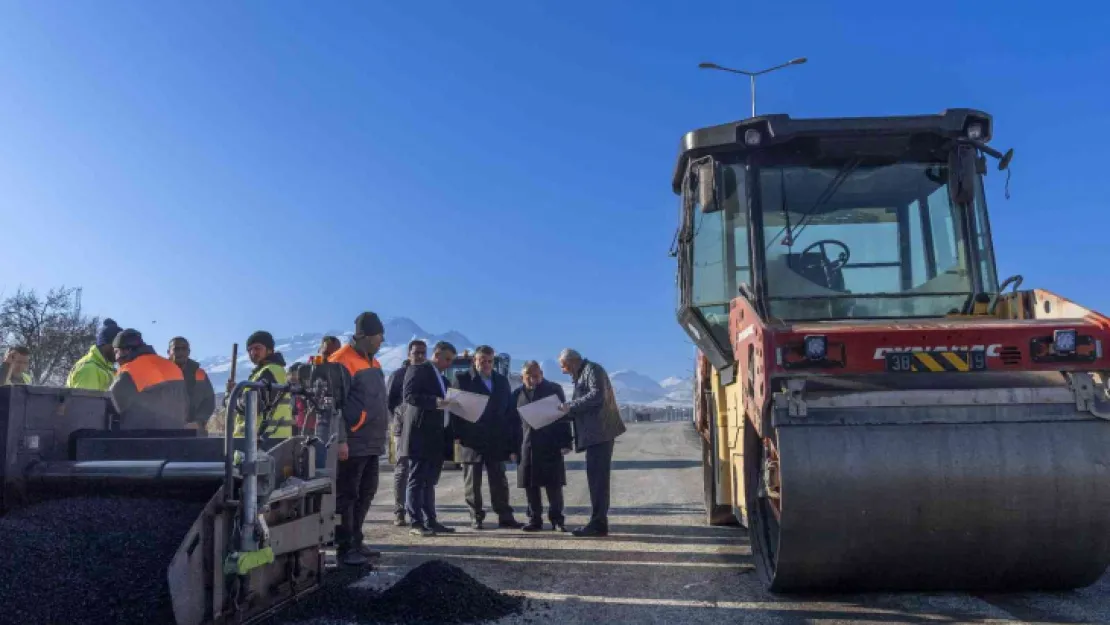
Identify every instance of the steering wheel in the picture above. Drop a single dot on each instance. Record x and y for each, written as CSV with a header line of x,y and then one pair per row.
x,y
829,265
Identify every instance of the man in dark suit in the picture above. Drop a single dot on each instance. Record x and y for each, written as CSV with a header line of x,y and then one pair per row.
x,y
541,452
489,442
424,393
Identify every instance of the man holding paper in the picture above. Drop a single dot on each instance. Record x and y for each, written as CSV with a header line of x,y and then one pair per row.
x,y
597,424
547,438
487,442
424,393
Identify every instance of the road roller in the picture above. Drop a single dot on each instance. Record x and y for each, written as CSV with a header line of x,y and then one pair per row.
x,y
876,407
248,517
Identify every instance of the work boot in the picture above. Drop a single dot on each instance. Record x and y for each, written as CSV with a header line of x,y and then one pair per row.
x,y
590,531
440,528
353,558
368,552
533,526
510,523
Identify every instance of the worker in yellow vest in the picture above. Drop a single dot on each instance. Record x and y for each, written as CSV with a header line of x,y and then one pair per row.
x,y
96,371
269,366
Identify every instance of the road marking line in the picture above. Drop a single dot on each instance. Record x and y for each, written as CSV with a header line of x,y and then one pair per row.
x,y
801,606
432,554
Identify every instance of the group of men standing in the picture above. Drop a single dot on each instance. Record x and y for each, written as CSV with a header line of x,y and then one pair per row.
x,y
425,433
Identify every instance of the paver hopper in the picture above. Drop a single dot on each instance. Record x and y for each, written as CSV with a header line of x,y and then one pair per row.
x,y
875,407
263,512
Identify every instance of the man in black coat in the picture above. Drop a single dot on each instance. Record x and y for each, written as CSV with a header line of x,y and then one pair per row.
x,y
424,394
541,452
489,442
418,355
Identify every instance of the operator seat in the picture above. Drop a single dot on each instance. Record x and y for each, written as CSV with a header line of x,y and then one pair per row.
x,y
783,280
809,266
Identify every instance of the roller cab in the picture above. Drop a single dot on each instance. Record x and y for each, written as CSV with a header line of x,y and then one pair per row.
x,y
876,407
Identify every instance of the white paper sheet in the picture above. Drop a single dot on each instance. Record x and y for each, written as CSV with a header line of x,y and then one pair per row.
x,y
470,405
540,413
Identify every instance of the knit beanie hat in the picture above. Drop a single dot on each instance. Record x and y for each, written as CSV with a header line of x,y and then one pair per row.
x,y
368,324
262,338
108,332
128,339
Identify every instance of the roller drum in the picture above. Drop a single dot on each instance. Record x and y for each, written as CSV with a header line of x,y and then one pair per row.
x,y
942,506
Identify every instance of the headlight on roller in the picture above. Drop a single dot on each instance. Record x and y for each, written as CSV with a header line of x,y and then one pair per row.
x,y
817,347
1064,341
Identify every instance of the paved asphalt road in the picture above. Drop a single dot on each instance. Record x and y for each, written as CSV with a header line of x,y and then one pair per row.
x,y
662,564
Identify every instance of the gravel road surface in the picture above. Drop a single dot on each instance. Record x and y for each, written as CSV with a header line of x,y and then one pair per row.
x,y
661,563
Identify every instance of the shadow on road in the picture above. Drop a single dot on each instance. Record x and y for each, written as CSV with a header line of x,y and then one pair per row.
x,y
633,465
652,510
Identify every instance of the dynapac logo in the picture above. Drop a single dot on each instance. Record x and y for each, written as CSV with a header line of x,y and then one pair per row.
x,y
993,351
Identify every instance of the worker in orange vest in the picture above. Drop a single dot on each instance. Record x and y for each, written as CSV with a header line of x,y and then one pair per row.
x,y
149,391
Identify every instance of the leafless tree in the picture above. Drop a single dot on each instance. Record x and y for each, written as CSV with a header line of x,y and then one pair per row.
x,y
52,327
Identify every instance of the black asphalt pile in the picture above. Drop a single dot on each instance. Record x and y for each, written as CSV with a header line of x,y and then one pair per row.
x,y
434,592
438,592
91,561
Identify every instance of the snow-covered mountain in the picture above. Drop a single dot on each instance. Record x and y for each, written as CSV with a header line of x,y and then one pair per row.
x,y
635,388
631,387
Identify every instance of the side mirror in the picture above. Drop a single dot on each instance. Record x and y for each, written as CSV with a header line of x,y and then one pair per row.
x,y
962,168
707,187
1004,162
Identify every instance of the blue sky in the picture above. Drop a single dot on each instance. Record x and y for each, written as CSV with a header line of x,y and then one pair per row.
x,y
500,168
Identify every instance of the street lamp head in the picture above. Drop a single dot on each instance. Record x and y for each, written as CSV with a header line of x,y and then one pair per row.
x,y
709,66
798,61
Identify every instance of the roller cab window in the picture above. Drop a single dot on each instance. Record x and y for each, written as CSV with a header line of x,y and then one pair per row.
x,y
714,257
859,240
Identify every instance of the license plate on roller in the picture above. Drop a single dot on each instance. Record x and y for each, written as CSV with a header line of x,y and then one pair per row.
x,y
936,361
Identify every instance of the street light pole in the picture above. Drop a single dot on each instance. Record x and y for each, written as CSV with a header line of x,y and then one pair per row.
x,y
751,75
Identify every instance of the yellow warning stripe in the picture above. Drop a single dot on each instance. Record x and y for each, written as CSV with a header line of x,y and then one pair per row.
x,y
956,361
929,362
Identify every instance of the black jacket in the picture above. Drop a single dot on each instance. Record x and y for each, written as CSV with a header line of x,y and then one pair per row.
x,y
497,432
541,455
422,431
396,386
202,397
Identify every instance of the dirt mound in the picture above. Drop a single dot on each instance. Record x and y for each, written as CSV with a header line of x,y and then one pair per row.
x,y
91,561
434,592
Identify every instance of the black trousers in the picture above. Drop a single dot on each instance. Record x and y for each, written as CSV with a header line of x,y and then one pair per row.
x,y
599,464
498,489
420,491
554,504
356,485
